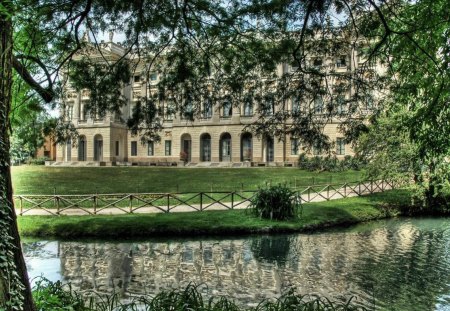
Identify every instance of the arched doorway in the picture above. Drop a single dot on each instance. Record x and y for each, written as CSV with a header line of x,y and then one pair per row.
x,y
82,148
186,144
246,147
69,150
225,147
269,144
98,147
205,147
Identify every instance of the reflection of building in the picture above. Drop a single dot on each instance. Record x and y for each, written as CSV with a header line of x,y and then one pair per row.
x,y
398,265
215,138
232,268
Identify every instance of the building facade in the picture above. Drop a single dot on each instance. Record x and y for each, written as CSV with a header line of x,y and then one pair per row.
x,y
218,137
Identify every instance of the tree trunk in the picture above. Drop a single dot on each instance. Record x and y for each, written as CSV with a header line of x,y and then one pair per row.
x,y
16,292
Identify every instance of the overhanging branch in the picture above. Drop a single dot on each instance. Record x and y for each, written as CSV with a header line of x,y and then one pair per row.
x,y
47,94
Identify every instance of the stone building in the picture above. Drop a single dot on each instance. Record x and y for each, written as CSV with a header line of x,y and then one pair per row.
x,y
216,138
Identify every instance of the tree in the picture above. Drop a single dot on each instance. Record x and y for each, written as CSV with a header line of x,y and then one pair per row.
x,y
417,55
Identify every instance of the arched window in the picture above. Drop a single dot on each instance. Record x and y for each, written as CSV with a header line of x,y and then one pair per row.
x,y
246,147
82,148
225,147
98,147
205,147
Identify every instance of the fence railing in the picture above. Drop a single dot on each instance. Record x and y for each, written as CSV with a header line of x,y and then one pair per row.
x,y
101,204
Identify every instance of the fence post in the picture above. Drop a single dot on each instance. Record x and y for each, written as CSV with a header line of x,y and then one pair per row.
x,y
328,192
359,188
371,186
201,201
21,205
131,203
168,203
95,204
54,196
232,200
345,190
57,205
309,194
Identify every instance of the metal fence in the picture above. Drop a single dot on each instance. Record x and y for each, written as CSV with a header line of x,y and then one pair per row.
x,y
101,204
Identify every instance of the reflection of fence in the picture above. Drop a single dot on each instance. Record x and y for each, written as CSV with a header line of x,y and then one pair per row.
x,y
94,204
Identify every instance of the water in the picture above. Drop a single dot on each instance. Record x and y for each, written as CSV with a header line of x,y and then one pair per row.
x,y
401,264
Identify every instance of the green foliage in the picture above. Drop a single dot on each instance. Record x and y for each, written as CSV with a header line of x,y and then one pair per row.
x,y
38,161
388,150
54,297
330,163
275,202
415,127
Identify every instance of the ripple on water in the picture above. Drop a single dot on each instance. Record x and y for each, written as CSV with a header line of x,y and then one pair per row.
x,y
392,265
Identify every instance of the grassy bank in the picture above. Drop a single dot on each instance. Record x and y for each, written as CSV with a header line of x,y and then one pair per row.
x,y
89,180
313,216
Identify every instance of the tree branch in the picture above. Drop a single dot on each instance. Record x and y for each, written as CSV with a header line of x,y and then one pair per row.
x,y
47,94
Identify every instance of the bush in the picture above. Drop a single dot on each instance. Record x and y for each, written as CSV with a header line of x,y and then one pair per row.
x,y
53,296
329,163
38,161
275,202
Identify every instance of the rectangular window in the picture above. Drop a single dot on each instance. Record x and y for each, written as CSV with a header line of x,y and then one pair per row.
x,y
295,105
134,148
150,149
169,108
268,106
295,146
188,113
248,107
227,110
153,76
318,105
117,148
340,103
341,62
317,63
168,148
207,109
137,79
340,146
70,112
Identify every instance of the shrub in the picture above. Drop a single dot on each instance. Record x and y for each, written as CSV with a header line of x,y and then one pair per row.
x,y
53,296
329,163
38,161
275,202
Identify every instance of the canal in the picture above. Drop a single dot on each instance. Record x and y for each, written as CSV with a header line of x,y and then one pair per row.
x,y
398,264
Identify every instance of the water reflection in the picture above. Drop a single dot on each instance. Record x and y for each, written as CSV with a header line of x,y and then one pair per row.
x,y
393,265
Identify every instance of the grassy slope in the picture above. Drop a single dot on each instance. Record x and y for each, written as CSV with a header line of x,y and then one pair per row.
x,y
88,180
315,215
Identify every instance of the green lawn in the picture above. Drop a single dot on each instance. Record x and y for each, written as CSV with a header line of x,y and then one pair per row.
x,y
314,215
89,180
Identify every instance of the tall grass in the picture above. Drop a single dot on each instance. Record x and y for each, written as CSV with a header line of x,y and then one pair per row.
x,y
51,296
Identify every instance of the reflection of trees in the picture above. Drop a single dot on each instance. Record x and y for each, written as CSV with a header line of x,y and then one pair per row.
x,y
272,248
411,273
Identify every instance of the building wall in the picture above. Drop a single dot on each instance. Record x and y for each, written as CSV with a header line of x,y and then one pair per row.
x,y
118,141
